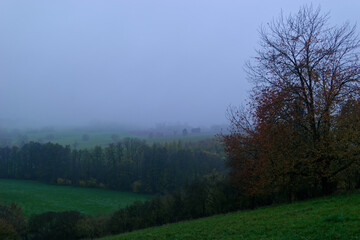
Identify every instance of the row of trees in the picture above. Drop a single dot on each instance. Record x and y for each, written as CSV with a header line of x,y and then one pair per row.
x,y
211,195
299,135
129,165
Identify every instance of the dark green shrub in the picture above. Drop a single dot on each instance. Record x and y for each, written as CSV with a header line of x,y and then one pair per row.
x,y
91,227
7,231
54,225
13,220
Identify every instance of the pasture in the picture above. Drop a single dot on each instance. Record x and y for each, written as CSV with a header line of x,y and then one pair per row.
x,y
35,198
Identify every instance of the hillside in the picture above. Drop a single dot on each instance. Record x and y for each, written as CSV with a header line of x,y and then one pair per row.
x,y
334,217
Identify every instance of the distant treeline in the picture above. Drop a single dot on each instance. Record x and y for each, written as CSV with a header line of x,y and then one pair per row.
x,y
129,165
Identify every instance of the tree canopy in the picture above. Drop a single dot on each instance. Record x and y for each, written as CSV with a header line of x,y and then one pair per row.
x,y
293,136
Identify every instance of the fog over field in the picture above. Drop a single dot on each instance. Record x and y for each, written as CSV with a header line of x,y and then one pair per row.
x,y
66,62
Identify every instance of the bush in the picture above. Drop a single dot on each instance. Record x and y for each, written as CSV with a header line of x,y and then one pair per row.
x,y
54,225
7,231
12,220
212,195
91,227
60,181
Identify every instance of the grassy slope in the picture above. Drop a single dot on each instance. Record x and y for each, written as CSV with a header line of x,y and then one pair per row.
x,y
336,217
36,197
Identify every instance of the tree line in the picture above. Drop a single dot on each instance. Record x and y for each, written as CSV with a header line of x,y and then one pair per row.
x,y
129,165
212,194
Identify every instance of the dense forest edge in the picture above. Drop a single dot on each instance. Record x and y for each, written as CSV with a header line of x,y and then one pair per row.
x,y
129,165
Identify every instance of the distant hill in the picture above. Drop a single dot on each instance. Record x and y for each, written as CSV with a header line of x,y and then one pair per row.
x,y
334,217
81,138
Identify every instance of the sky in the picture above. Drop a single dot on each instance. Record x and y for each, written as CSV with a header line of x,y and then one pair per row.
x,y
134,62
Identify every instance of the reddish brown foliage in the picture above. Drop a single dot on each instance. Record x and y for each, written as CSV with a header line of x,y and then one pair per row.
x,y
7,231
291,138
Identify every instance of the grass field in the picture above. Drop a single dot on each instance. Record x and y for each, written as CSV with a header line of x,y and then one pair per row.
x,y
336,217
36,198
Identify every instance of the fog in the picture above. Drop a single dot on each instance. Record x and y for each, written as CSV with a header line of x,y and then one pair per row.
x,y
138,62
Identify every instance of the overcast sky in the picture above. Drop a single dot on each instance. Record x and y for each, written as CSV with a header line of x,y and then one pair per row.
x,y
136,61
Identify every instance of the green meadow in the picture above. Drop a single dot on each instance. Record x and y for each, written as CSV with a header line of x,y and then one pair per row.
x,y
334,217
35,198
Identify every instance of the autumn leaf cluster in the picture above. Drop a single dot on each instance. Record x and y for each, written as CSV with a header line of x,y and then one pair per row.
x,y
298,135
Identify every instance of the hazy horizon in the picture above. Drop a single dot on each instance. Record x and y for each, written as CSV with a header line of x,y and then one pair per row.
x,y
132,63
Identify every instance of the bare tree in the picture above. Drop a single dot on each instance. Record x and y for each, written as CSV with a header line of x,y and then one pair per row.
x,y
294,134
310,64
